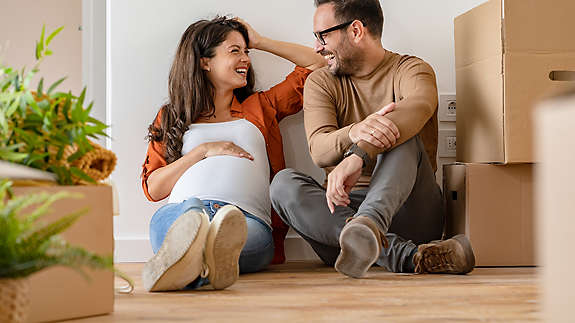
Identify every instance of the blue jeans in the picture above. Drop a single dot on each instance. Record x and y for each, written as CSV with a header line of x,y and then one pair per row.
x,y
258,251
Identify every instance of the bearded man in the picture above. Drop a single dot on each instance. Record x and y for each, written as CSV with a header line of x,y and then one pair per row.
x,y
371,123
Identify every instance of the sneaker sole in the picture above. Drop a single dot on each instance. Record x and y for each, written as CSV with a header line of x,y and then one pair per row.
x,y
179,260
359,250
226,238
467,251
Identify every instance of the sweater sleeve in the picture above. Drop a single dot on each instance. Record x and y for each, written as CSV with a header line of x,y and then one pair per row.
x,y
417,103
327,141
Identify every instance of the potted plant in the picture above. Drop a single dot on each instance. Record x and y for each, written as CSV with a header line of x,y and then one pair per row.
x,y
27,246
50,131
46,129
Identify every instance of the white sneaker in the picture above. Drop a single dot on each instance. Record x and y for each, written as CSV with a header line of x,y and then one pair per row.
x,y
226,238
179,260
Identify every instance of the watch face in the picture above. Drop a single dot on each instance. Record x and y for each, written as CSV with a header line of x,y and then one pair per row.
x,y
349,151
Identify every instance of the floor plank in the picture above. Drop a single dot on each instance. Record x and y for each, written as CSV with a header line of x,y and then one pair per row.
x,y
304,292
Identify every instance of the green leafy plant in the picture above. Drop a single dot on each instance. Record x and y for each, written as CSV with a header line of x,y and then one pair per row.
x,y
28,246
41,128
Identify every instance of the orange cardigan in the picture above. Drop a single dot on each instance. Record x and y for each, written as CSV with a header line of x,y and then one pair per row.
x,y
265,110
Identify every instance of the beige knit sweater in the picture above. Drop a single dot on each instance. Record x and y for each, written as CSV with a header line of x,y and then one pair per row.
x,y
333,104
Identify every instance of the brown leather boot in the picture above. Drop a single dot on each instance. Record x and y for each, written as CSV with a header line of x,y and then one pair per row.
x,y
360,242
451,256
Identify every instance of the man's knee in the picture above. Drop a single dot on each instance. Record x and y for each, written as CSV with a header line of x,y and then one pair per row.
x,y
282,187
412,145
411,150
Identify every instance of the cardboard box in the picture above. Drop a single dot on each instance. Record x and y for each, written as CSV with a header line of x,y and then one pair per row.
x,y
509,54
60,293
555,206
492,205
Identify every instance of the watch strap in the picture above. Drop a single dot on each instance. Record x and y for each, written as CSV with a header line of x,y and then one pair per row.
x,y
354,149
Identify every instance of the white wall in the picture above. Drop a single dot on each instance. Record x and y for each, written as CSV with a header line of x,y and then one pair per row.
x,y
142,36
94,56
20,27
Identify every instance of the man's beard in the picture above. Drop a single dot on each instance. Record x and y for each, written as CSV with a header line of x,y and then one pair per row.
x,y
347,60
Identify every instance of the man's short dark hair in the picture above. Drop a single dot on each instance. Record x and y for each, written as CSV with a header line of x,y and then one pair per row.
x,y
368,11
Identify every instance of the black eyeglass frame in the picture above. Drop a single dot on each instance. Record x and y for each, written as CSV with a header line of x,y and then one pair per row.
x,y
319,34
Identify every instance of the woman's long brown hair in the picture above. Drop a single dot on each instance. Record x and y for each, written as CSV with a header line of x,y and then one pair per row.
x,y
191,94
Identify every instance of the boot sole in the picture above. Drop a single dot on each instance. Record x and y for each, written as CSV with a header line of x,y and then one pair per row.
x,y
226,238
359,250
179,260
467,251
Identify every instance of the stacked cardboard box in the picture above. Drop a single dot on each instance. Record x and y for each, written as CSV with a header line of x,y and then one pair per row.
x,y
555,205
60,293
492,205
509,54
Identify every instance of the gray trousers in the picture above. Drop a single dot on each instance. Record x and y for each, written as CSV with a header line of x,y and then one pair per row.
x,y
403,199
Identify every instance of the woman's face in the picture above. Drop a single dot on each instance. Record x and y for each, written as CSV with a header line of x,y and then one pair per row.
x,y
228,69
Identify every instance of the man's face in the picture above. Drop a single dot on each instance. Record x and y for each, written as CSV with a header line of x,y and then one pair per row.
x,y
341,56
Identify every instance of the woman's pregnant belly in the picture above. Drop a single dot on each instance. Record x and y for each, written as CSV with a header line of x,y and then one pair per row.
x,y
231,179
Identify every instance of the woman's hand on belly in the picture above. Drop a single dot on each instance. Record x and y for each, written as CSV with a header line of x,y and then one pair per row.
x,y
221,148
161,181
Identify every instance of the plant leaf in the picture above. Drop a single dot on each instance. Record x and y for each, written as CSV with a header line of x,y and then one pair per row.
x,y
41,42
16,82
55,84
14,105
37,51
75,156
44,206
80,174
42,235
29,76
53,34
12,156
40,87
77,111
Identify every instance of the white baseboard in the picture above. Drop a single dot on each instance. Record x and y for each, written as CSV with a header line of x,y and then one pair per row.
x,y
139,249
132,249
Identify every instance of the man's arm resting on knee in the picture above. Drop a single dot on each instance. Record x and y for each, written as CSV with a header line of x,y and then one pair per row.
x,y
419,91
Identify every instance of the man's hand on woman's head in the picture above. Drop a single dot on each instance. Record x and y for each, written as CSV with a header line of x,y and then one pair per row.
x,y
221,148
376,129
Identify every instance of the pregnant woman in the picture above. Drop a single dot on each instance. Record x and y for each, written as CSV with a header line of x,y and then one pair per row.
x,y
214,147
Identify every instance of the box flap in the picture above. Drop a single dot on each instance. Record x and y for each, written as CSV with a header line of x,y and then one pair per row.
x,y
528,78
539,26
478,34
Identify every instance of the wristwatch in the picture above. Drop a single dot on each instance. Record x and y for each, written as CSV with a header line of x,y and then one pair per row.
x,y
354,149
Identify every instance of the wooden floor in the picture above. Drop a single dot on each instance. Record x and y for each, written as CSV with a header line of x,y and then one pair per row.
x,y
306,292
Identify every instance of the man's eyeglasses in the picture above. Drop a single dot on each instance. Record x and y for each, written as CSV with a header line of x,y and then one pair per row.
x,y
319,35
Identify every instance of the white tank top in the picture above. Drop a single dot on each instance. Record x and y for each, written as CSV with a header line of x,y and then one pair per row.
x,y
235,180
